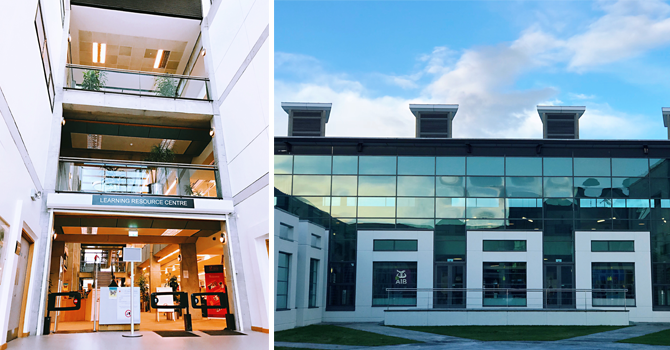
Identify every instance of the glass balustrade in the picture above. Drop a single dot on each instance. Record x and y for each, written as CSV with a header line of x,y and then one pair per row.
x,y
140,178
136,82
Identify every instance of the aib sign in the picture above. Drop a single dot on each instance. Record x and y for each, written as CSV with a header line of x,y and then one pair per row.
x,y
402,278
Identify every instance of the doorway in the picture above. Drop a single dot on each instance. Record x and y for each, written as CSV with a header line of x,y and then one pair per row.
x,y
559,276
449,275
24,250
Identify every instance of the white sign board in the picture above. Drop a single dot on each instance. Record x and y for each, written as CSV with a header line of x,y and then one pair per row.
x,y
132,254
115,305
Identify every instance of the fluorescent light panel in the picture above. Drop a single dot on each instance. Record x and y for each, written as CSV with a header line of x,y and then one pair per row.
x,y
103,52
159,55
165,257
170,232
95,52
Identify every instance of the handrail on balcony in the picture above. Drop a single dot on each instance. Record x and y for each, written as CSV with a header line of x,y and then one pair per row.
x,y
138,163
127,71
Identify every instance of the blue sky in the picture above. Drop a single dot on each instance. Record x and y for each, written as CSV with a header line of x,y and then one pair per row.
x,y
496,59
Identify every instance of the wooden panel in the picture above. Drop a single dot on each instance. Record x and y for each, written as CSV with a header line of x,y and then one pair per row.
x,y
102,239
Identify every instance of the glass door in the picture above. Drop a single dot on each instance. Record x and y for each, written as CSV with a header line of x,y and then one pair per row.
x,y
449,275
559,276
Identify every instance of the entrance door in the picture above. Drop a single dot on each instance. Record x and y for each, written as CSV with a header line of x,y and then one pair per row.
x,y
18,305
559,276
449,275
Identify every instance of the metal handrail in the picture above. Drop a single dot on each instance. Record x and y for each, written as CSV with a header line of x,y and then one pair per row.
x,y
535,290
126,71
139,163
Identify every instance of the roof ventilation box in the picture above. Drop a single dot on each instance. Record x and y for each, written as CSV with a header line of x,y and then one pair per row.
x,y
560,122
433,120
307,119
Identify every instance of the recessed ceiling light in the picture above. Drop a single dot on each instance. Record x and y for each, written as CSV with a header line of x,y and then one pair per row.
x,y
159,56
170,232
95,52
103,52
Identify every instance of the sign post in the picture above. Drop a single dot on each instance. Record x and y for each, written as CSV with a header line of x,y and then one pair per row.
x,y
133,255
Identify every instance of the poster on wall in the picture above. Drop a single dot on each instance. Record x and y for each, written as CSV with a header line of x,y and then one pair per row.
x,y
215,282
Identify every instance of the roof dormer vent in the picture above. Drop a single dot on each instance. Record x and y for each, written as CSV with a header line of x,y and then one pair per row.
x,y
433,120
307,119
560,122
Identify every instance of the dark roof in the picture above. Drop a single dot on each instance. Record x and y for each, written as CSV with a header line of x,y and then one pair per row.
x,y
472,147
175,8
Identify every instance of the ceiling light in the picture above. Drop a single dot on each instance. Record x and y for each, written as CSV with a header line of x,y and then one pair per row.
x,y
222,239
89,230
159,55
93,141
170,232
55,235
601,220
103,52
132,232
95,52
166,270
174,267
211,132
165,257
69,38
203,51
179,257
62,121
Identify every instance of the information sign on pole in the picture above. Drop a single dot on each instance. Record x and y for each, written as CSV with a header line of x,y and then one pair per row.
x,y
132,255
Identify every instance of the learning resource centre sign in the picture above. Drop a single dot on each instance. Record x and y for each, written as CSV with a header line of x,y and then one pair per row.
x,y
130,201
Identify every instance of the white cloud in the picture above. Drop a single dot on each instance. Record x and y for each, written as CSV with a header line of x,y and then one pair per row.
x,y
482,81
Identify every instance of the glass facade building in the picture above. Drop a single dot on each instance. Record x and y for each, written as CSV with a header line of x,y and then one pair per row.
x,y
454,186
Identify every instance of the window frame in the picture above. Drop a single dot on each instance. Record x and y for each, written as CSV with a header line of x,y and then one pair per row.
x,y
313,283
48,77
288,279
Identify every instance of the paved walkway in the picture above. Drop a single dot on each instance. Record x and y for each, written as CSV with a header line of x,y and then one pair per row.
x,y
604,340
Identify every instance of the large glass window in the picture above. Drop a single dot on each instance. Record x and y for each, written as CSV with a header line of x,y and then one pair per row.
x,y
343,206
485,208
313,279
409,207
450,208
450,186
399,245
630,167
374,165
283,183
523,186
523,166
393,275
486,166
376,207
345,185
485,186
285,231
557,166
593,187
376,185
345,165
311,185
283,164
500,277
558,187
416,166
415,186
450,166
283,266
504,246
612,246
44,52
317,165
592,167
613,276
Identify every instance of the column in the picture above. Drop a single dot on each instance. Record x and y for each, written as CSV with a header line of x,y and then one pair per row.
x,y
154,273
189,273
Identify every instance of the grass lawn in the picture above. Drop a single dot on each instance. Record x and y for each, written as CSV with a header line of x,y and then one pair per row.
x,y
327,334
658,338
508,333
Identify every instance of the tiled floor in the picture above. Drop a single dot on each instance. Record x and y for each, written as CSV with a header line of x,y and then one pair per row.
x,y
149,341
149,324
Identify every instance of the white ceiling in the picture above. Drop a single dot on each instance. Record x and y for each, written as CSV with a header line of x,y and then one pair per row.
x,y
142,33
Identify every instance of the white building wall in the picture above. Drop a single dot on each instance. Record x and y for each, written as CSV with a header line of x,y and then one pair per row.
x,y
286,319
310,315
235,36
476,257
26,130
642,311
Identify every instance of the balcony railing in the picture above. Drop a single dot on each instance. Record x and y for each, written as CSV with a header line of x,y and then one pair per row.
x,y
136,82
140,178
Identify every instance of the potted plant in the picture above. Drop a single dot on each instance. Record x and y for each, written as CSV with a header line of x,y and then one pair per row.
x,y
190,191
159,154
166,86
94,80
144,290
